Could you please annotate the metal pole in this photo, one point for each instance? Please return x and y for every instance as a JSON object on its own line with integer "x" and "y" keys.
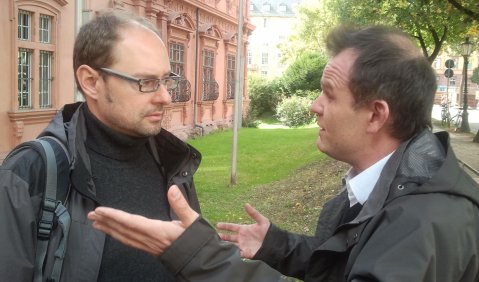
{"x": 448, "y": 116}
{"x": 238, "y": 95}
{"x": 465, "y": 121}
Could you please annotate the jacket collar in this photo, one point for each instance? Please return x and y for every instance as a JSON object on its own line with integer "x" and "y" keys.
{"x": 416, "y": 161}
{"x": 69, "y": 126}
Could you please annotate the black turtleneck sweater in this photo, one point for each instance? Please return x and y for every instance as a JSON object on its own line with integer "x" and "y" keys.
{"x": 126, "y": 177}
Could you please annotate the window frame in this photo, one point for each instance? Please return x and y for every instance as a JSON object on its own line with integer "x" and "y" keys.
{"x": 210, "y": 86}
{"x": 24, "y": 79}
{"x": 177, "y": 54}
{"x": 41, "y": 25}
{"x": 264, "y": 58}
{"x": 230, "y": 76}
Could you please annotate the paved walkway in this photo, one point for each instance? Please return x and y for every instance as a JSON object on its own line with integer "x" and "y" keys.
{"x": 466, "y": 151}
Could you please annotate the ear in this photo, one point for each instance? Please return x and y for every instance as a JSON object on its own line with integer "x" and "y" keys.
{"x": 378, "y": 117}
{"x": 88, "y": 79}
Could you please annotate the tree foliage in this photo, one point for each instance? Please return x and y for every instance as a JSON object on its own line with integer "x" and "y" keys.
{"x": 433, "y": 23}
{"x": 469, "y": 8}
{"x": 475, "y": 75}
{"x": 304, "y": 73}
{"x": 316, "y": 22}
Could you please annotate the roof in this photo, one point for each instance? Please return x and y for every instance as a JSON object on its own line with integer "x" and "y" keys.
{"x": 281, "y": 8}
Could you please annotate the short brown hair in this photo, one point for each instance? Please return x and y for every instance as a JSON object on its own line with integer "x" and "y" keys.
{"x": 389, "y": 66}
{"x": 95, "y": 42}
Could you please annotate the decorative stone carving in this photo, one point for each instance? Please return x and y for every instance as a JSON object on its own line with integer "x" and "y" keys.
{"x": 167, "y": 120}
{"x": 118, "y": 4}
{"x": 184, "y": 114}
{"x": 62, "y": 2}
{"x": 18, "y": 127}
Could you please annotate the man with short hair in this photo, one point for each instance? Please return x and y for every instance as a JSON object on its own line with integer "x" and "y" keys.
{"x": 121, "y": 157}
{"x": 407, "y": 212}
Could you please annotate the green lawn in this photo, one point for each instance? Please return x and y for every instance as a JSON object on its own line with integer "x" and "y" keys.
{"x": 264, "y": 156}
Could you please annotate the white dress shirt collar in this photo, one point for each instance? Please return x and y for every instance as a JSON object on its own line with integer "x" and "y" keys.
{"x": 360, "y": 186}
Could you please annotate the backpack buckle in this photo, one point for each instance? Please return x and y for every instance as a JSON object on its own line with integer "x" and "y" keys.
{"x": 45, "y": 225}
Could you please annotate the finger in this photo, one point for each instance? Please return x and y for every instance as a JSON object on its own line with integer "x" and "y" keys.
{"x": 130, "y": 229}
{"x": 115, "y": 221}
{"x": 232, "y": 227}
{"x": 255, "y": 215}
{"x": 180, "y": 206}
{"x": 229, "y": 237}
{"x": 115, "y": 230}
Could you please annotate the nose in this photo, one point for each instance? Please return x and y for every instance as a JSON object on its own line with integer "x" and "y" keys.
{"x": 316, "y": 106}
{"x": 161, "y": 96}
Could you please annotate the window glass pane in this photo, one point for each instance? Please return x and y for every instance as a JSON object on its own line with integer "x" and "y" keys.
{"x": 209, "y": 83}
{"x": 264, "y": 58}
{"x": 182, "y": 92}
{"x": 24, "y": 78}
{"x": 45, "y": 80}
{"x": 177, "y": 51}
{"x": 24, "y": 25}
{"x": 230, "y": 77}
{"x": 45, "y": 28}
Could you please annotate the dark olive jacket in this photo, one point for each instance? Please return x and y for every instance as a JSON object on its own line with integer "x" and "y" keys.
{"x": 21, "y": 192}
{"x": 420, "y": 223}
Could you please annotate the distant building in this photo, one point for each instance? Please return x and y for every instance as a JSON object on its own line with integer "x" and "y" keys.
{"x": 274, "y": 21}
{"x": 454, "y": 86}
{"x": 37, "y": 78}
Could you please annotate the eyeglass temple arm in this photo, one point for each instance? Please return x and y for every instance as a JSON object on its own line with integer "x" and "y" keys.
{"x": 174, "y": 75}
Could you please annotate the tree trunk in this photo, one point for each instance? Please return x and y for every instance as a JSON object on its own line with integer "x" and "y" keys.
{"x": 476, "y": 138}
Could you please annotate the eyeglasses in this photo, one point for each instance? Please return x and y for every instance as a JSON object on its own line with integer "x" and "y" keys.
{"x": 147, "y": 84}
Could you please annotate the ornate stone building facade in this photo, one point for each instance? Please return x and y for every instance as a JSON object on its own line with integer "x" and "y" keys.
{"x": 37, "y": 74}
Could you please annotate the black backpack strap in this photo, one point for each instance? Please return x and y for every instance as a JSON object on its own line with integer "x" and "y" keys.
{"x": 45, "y": 224}
{"x": 64, "y": 221}
{"x": 51, "y": 207}
{"x": 46, "y": 147}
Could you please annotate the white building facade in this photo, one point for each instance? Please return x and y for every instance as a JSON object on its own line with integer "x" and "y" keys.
{"x": 274, "y": 21}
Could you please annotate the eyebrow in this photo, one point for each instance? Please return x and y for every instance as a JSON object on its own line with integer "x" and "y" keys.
{"x": 326, "y": 84}
{"x": 152, "y": 76}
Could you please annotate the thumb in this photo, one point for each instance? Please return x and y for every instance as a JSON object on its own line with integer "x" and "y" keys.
{"x": 255, "y": 215}
{"x": 180, "y": 206}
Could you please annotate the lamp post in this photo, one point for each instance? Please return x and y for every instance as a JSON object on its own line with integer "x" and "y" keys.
{"x": 466, "y": 51}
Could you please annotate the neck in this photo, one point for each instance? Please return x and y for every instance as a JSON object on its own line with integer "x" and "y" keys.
{"x": 111, "y": 143}
{"x": 374, "y": 153}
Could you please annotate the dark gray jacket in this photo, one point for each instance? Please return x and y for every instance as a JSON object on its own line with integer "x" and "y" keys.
{"x": 420, "y": 223}
{"x": 21, "y": 192}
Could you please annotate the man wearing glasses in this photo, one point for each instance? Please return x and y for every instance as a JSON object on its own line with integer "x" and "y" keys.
{"x": 121, "y": 156}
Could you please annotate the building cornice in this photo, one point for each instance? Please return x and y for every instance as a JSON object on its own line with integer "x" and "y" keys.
{"x": 211, "y": 10}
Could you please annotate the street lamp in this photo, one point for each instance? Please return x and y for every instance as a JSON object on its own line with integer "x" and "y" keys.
{"x": 466, "y": 51}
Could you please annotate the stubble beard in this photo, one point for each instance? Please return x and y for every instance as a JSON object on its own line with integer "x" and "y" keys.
{"x": 136, "y": 128}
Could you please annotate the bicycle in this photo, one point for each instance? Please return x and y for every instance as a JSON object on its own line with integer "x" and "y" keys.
{"x": 457, "y": 119}
{"x": 445, "y": 115}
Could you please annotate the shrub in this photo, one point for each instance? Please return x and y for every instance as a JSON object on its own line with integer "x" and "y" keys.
{"x": 294, "y": 111}
{"x": 310, "y": 94}
{"x": 304, "y": 73}
{"x": 249, "y": 121}
{"x": 264, "y": 95}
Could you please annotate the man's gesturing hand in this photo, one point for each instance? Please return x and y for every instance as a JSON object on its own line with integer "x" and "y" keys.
{"x": 248, "y": 238}
{"x": 152, "y": 236}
